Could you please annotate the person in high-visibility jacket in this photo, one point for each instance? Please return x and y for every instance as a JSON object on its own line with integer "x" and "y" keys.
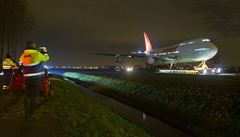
{"x": 8, "y": 66}
{"x": 33, "y": 70}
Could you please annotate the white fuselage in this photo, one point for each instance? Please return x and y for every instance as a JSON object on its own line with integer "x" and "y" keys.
{"x": 189, "y": 51}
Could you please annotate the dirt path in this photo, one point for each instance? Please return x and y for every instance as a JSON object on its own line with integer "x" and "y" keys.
{"x": 12, "y": 123}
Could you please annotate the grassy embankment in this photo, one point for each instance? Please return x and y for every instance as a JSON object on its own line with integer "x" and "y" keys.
{"x": 81, "y": 116}
{"x": 74, "y": 114}
{"x": 205, "y": 104}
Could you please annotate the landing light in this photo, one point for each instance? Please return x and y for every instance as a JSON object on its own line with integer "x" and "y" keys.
{"x": 129, "y": 69}
{"x": 204, "y": 72}
{"x": 213, "y": 70}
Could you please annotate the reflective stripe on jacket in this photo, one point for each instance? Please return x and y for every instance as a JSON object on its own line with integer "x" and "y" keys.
{"x": 8, "y": 64}
{"x": 32, "y": 61}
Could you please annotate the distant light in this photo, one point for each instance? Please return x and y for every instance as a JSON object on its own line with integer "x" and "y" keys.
{"x": 204, "y": 40}
{"x": 213, "y": 70}
{"x": 219, "y": 70}
{"x": 204, "y": 71}
{"x": 129, "y": 69}
{"x": 118, "y": 68}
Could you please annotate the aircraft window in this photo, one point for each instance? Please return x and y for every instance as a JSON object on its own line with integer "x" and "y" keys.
{"x": 182, "y": 44}
{"x": 191, "y": 42}
{"x": 162, "y": 53}
{"x": 201, "y": 49}
{"x": 173, "y": 52}
{"x": 205, "y": 40}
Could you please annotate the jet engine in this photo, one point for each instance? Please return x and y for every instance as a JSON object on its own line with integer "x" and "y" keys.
{"x": 150, "y": 60}
{"x": 119, "y": 58}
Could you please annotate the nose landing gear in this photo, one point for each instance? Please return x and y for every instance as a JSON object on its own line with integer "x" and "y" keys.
{"x": 202, "y": 66}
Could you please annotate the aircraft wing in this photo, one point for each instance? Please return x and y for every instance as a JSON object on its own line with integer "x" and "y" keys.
{"x": 118, "y": 57}
{"x": 137, "y": 55}
{"x": 169, "y": 58}
{"x": 110, "y": 54}
{"x": 156, "y": 58}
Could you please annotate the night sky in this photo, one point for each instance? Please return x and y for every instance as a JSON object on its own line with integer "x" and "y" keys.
{"x": 69, "y": 28}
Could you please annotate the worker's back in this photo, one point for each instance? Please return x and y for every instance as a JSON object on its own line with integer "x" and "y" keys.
{"x": 32, "y": 61}
{"x": 8, "y": 63}
{"x": 7, "y": 67}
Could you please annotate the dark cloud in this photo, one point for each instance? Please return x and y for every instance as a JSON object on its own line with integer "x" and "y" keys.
{"x": 71, "y": 27}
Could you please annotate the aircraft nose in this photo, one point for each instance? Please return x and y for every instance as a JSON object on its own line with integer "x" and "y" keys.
{"x": 213, "y": 49}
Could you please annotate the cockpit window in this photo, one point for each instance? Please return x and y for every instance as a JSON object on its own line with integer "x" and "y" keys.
{"x": 181, "y": 44}
{"x": 204, "y": 40}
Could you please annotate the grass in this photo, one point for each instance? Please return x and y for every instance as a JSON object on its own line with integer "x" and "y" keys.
{"x": 81, "y": 116}
{"x": 207, "y": 102}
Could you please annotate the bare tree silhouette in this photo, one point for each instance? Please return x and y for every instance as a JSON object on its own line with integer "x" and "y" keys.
{"x": 15, "y": 20}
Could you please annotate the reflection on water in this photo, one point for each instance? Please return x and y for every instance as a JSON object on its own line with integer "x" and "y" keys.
{"x": 144, "y": 117}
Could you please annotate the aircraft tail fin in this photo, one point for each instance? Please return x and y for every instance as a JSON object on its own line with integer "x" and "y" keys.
{"x": 148, "y": 44}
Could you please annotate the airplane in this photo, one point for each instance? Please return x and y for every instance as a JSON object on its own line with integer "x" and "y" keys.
{"x": 196, "y": 50}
